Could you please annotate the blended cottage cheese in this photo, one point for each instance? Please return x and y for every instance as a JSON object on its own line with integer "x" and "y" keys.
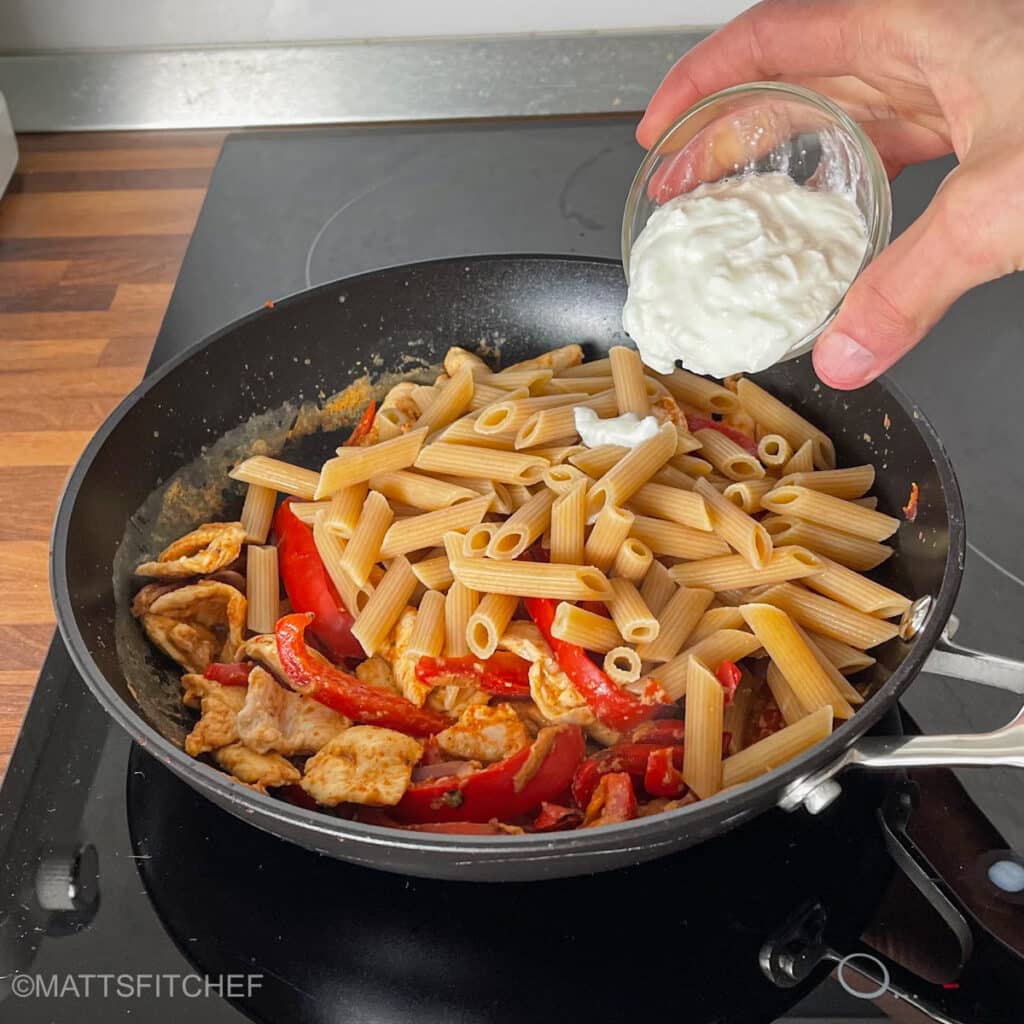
{"x": 627, "y": 430}
{"x": 731, "y": 276}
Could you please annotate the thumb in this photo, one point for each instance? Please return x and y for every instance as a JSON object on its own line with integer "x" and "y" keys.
{"x": 907, "y": 289}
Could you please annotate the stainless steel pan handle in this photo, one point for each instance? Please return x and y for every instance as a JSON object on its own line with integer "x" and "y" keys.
{"x": 1003, "y": 747}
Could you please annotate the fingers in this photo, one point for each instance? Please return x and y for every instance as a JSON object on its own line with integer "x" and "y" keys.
{"x": 905, "y": 291}
{"x": 778, "y": 37}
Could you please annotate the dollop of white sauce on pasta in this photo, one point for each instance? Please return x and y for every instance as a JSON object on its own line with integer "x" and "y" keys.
{"x": 627, "y": 430}
{"x": 730, "y": 277}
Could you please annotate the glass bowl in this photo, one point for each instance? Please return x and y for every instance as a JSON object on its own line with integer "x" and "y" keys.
{"x": 765, "y": 128}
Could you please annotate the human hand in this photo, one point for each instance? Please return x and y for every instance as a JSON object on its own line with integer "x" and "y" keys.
{"x": 924, "y": 78}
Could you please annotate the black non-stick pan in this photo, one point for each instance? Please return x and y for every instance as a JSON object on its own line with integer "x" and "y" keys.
{"x": 158, "y": 467}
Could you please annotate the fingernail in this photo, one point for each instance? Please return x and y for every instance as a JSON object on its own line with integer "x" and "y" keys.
{"x": 842, "y": 362}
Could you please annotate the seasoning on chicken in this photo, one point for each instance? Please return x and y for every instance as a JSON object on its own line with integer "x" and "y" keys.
{"x": 197, "y": 624}
{"x": 552, "y": 691}
{"x": 210, "y": 547}
{"x": 264, "y": 771}
{"x": 485, "y": 733}
{"x": 275, "y": 719}
{"x": 362, "y": 765}
{"x": 219, "y": 706}
{"x": 395, "y": 653}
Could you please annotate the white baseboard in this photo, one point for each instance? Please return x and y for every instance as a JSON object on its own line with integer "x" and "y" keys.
{"x": 8, "y": 147}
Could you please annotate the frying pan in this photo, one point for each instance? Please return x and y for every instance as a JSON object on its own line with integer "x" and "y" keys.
{"x": 158, "y": 467}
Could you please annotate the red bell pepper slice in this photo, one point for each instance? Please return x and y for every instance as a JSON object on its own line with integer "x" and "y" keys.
{"x": 628, "y": 758}
{"x": 295, "y": 794}
{"x": 614, "y": 706}
{"x": 663, "y": 777}
{"x": 345, "y": 693}
{"x": 729, "y": 675}
{"x": 613, "y": 800}
{"x": 235, "y": 673}
{"x": 662, "y": 732}
{"x": 502, "y": 791}
{"x": 310, "y": 589}
{"x": 382, "y": 816}
{"x": 556, "y": 818}
{"x": 362, "y": 429}
{"x": 502, "y": 673}
{"x": 695, "y": 422}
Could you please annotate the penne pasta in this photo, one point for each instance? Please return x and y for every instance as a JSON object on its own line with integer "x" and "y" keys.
{"x": 634, "y": 620}
{"x": 434, "y": 573}
{"x": 568, "y": 524}
{"x": 459, "y": 604}
{"x": 422, "y": 396}
{"x": 742, "y": 533}
{"x": 809, "y": 682}
{"x": 258, "y": 513}
{"x": 421, "y": 492}
{"x": 802, "y": 460}
{"x": 774, "y": 450}
{"x": 853, "y": 552}
{"x": 262, "y": 589}
{"x": 692, "y": 465}
{"x": 364, "y": 547}
{"x": 427, "y": 637}
{"x": 463, "y": 460}
{"x": 676, "y": 622}
{"x": 428, "y": 530}
{"x": 823, "y": 615}
{"x": 685, "y": 442}
{"x": 628, "y": 377}
{"x": 557, "y": 360}
{"x": 747, "y": 495}
{"x": 657, "y": 587}
{"x": 345, "y": 508}
{"x": 516, "y": 377}
{"x": 501, "y": 503}
{"x": 847, "y": 659}
{"x": 669, "y": 476}
{"x": 610, "y": 530}
{"x": 385, "y": 605}
{"x": 450, "y": 401}
{"x": 533, "y": 579}
{"x": 776, "y": 417}
{"x": 331, "y": 551}
{"x": 856, "y": 591}
{"x": 622, "y": 664}
{"x": 839, "y": 681}
{"x": 705, "y": 710}
{"x": 478, "y": 539}
{"x": 504, "y": 418}
{"x": 715, "y": 619}
{"x": 457, "y": 358}
{"x": 632, "y": 471}
{"x": 664, "y": 538}
{"x": 823, "y": 509}
{"x": 853, "y": 482}
{"x": 698, "y": 392}
{"x": 585, "y": 629}
{"x": 277, "y": 476}
{"x": 727, "y": 456}
{"x": 734, "y": 572}
{"x": 485, "y": 395}
{"x": 307, "y": 511}
{"x": 556, "y": 456}
{"x": 519, "y": 495}
{"x": 595, "y": 462}
{"x": 488, "y": 623}
{"x": 562, "y": 477}
{"x": 548, "y": 426}
{"x": 592, "y": 368}
{"x": 356, "y": 465}
{"x": 633, "y": 560}
{"x": 664, "y": 502}
{"x": 587, "y": 385}
{"x": 869, "y": 502}
{"x": 784, "y": 696}
{"x": 776, "y": 749}
{"x": 523, "y": 527}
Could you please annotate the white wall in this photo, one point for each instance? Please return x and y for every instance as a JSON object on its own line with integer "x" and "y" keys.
{"x": 102, "y": 24}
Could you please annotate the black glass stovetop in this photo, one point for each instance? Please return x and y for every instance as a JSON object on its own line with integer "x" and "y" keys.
{"x": 168, "y": 891}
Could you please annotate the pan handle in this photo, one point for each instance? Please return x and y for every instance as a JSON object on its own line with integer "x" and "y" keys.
{"x": 1003, "y": 747}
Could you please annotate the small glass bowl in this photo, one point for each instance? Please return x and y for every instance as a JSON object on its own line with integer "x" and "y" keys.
{"x": 765, "y": 128}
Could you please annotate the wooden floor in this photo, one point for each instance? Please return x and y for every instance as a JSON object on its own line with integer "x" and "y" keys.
{"x": 92, "y": 232}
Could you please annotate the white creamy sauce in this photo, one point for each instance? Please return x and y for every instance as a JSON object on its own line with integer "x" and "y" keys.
{"x": 627, "y": 430}
{"x": 731, "y": 276}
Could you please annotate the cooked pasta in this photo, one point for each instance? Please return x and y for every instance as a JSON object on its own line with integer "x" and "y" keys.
{"x": 823, "y": 509}
{"x": 584, "y": 628}
{"x": 702, "y": 752}
{"x": 676, "y": 622}
{"x": 608, "y": 534}
{"x": 727, "y": 456}
{"x": 630, "y": 386}
{"x": 632, "y": 560}
{"x": 492, "y": 582}
{"x": 262, "y": 589}
{"x": 258, "y": 513}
